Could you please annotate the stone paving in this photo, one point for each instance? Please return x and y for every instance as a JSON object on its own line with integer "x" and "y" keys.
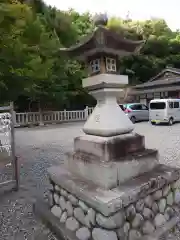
{"x": 39, "y": 148}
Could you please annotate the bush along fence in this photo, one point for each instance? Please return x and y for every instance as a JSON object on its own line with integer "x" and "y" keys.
{"x": 50, "y": 117}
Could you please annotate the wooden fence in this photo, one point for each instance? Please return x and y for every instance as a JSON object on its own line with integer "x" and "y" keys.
{"x": 50, "y": 117}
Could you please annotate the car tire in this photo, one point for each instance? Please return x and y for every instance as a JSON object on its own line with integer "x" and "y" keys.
{"x": 153, "y": 123}
{"x": 171, "y": 121}
{"x": 133, "y": 119}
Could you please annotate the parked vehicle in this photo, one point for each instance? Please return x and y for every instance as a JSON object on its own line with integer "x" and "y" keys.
{"x": 122, "y": 107}
{"x": 164, "y": 111}
{"x": 136, "y": 112}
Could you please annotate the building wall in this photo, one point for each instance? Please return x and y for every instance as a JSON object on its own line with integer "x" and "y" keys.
{"x": 126, "y": 97}
{"x": 146, "y": 98}
{"x": 143, "y": 101}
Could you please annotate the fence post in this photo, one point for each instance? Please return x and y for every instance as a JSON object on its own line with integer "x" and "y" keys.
{"x": 65, "y": 115}
{"x": 14, "y": 118}
{"x": 86, "y": 110}
{"x": 41, "y": 123}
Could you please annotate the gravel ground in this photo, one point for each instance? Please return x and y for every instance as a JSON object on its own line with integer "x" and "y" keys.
{"x": 38, "y": 148}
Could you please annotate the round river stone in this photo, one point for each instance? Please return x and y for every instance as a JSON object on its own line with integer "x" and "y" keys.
{"x": 56, "y": 211}
{"x": 159, "y": 220}
{"x": 101, "y": 234}
{"x": 83, "y": 233}
{"x": 72, "y": 224}
{"x": 115, "y": 221}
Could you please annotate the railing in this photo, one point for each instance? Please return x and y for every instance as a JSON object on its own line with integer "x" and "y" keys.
{"x": 50, "y": 117}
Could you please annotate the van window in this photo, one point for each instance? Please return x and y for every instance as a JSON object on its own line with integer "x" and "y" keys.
{"x": 176, "y": 104}
{"x": 170, "y": 104}
{"x": 157, "y": 105}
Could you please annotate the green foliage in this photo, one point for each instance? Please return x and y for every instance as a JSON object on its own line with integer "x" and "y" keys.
{"x": 32, "y": 71}
{"x": 161, "y": 49}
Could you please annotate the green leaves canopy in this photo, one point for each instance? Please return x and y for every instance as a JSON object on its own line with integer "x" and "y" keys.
{"x": 30, "y": 68}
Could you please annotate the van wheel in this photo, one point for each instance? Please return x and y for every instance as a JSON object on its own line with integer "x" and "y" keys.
{"x": 170, "y": 122}
{"x": 133, "y": 119}
{"x": 153, "y": 123}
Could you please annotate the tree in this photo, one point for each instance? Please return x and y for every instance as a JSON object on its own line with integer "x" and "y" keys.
{"x": 31, "y": 69}
{"x": 13, "y": 21}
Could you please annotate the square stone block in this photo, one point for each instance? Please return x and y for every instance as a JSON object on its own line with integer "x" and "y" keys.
{"x": 104, "y": 174}
{"x": 110, "y": 174}
{"x": 107, "y": 149}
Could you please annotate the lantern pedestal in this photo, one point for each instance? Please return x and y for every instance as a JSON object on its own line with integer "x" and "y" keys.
{"x": 110, "y": 161}
{"x": 136, "y": 209}
{"x": 107, "y": 119}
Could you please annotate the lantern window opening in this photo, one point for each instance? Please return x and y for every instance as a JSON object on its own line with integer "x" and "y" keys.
{"x": 111, "y": 64}
{"x": 95, "y": 65}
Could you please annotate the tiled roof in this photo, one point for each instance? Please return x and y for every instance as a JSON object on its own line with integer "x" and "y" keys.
{"x": 158, "y": 82}
{"x": 111, "y": 38}
{"x": 167, "y": 69}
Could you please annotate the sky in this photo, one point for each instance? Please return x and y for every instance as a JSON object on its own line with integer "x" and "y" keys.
{"x": 138, "y": 9}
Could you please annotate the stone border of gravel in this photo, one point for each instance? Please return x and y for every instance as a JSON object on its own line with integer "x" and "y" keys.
{"x": 164, "y": 229}
{"x": 42, "y": 211}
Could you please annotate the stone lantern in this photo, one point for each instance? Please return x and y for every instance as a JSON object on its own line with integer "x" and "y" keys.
{"x": 111, "y": 186}
{"x": 102, "y": 51}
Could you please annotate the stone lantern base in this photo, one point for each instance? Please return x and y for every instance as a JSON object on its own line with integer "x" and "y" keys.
{"x": 138, "y": 208}
{"x": 111, "y": 188}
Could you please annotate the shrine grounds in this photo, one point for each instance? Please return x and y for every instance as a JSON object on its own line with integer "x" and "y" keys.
{"x": 40, "y": 147}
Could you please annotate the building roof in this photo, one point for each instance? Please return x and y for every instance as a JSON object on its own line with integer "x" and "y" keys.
{"x": 157, "y": 81}
{"x": 166, "y": 70}
{"x": 103, "y": 40}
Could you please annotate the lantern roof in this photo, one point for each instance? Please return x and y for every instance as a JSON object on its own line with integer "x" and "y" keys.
{"x": 103, "y": 41}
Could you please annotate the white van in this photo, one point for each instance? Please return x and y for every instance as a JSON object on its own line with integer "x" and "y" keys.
{"x": 164, "y": 111}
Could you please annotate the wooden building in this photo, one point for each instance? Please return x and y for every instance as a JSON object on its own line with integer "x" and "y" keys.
{"x": 166, "y": 84}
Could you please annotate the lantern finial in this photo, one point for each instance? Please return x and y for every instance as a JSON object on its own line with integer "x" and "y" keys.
{"x": 100, "y": 20}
